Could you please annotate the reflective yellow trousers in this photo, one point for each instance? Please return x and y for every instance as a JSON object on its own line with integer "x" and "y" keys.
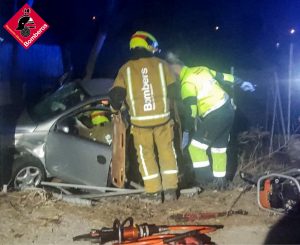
{"x": 161, "y": 175}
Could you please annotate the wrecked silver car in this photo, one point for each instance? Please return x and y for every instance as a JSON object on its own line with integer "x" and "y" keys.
{"x": 59, "y": 137}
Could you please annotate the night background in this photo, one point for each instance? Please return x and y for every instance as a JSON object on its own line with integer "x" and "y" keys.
{"x": 244, "y": 34}
{"x": 258, "y": 40}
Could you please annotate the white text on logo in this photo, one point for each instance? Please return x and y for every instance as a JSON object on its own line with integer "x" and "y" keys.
{"x": 149, "y": 103}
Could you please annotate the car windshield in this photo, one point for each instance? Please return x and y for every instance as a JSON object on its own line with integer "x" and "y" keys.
{"x": 61, "y": 100}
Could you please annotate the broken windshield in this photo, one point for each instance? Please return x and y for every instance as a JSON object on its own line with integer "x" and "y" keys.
{"x": 61, "y": 100}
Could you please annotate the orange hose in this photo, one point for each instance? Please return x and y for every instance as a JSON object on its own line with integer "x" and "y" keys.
{"x": 202, "y": 228}
{"x": 158, "y": 239}
{"x": 147, "y": 242}
{"x": 151, "y": 240}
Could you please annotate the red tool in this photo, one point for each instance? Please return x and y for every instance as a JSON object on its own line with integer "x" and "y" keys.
{"x": 149, "y": 234}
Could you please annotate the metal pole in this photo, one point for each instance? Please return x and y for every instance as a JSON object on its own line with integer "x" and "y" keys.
{"x": 267, "y": 110}
{"x": 273, "y": 121}
{"x": 87, "y": 187}
{"x": 280, "y": 107}
{"x": 290, "y": 90}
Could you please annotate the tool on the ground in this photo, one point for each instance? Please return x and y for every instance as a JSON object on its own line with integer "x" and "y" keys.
{"x": 193, "y": 216}
{"x": 192, "y": 237}
{"x": 244, "y": 190}
{"x": 146, "y": 234}
{"x": 277, "y": 192}
{"x": 196, "y": 190}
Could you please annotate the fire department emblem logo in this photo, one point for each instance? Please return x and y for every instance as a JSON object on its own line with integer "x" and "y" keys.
{"x": 25, "y": 23}
{"x": 26, "y": 26}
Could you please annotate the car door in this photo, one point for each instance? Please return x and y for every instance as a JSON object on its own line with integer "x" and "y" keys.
{"x": 79, "y": 153}
{"x": 118, "y": 171}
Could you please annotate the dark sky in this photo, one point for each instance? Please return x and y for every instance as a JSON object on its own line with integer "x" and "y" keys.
{"x": 246, "y": 38}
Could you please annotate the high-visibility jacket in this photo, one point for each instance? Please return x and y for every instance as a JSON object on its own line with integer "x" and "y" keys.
{"x": 145, "y": 81}
{"x": 201, "y": 89}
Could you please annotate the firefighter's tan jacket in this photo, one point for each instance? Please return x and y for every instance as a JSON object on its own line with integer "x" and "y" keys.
{"x": 145, "y": 81}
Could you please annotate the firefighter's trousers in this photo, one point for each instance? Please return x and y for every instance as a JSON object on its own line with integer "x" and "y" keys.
{"x": 156, "y": 176}
{"x": 209, "y": 143}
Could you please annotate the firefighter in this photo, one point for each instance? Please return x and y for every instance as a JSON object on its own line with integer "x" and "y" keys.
{"x": 98, "y": 117}
{"x": 146, "y": 84}
{"x": 102, "y": 128}
{"x": 207, "y": 118}
{"x": 95, "y": 125}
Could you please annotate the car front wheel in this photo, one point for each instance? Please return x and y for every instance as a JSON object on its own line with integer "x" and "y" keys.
{"x": 28, "y": 173}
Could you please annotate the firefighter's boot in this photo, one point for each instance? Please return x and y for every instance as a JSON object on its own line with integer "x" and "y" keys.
{"x": 152, "y": 198}
{"x": 170, "y": 195}
{"x": 220, "y": 183}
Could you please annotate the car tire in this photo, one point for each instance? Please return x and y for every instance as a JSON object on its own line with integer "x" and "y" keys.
{"x": 27, "y": 172}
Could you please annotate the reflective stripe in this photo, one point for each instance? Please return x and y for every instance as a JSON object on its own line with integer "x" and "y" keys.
{"x": 194, "y": 110}
{"x": 163, "y": 85}
{"x": 218, "y": 150}
{"x": 152, "y": 96}
{"x": 143, "y": 161}
{"x": 174, "y": 171}
{"x": 174, "y": 151}
{"x": 130, "y": 91}
{"x": 219, "y": 174}
{"x": 217, "y": 106}
{"x": 149, "y": 177}
{"x": 200, "y": 164}
{"x": 199, "y": 145}
{"x": 142, "y": 118}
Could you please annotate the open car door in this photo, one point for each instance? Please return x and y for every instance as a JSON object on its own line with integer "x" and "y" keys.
{"x": 118, "y": 152}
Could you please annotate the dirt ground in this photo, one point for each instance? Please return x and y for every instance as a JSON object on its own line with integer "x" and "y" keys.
{"x": 35, "y": 218}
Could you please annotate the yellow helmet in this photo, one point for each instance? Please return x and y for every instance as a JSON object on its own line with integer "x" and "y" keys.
{"x": 98, "y": 117}
{"x": 145, "y": 40}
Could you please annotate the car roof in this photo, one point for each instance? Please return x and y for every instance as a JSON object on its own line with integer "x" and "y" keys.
{"x": 97, "y": 86}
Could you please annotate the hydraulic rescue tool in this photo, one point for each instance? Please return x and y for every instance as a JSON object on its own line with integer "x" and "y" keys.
{"x": 146, "y": 234}
{"x": 277, "y": 192}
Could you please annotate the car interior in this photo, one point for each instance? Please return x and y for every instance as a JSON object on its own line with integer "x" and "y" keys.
{"x": 80, "y": 124}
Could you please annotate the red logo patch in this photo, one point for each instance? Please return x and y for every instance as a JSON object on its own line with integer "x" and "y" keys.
{"x": 26, "y": 26}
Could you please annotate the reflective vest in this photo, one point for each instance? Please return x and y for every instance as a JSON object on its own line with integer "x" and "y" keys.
{"x": 201, "y": 82}
{"x": 146, "y": 81}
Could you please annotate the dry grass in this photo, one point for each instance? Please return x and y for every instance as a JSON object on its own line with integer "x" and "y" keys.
{"x": 256, "y": 156}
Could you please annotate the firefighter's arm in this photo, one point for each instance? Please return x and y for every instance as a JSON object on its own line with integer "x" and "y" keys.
{"x": 171, "y": 97}
{"x": 173, "y": 90}
{"x": 189, "y": 99}
{"x": 230, "y": 81}
{"x": 172, "y": 84}
{"x": 227, "y": 81}
{"x": 117, "y": 94}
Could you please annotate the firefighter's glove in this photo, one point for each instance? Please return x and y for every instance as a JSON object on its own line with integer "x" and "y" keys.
{"x": 247, "y": 86}
{"x": 185, "y": 139}
{"x": 114, "y": 111}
